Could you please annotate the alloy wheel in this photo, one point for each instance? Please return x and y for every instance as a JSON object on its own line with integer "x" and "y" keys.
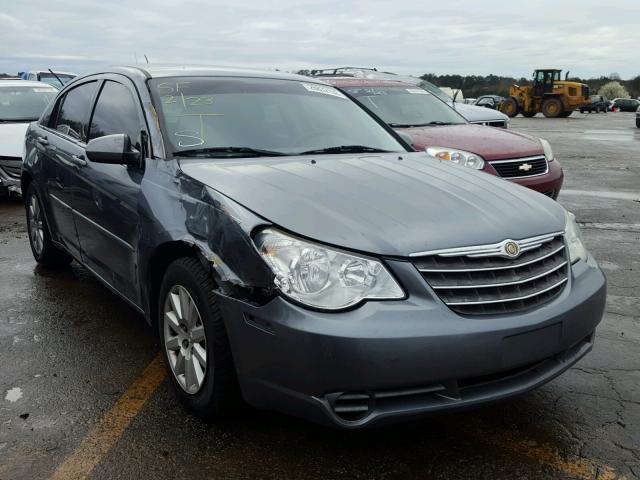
{"x": 36, "y": 225}
{"x": 185, "y": 339}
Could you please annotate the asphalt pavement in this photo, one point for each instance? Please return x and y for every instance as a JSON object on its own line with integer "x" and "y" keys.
{"x": 83, "y": 393}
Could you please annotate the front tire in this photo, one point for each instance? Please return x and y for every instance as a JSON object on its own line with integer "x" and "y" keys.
{"x": 509, "y": 107}
{"x": 43, "y": 249}
{"x": 194, "y": 341}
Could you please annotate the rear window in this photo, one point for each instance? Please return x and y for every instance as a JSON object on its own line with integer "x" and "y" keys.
{"x": 24, "y": 103}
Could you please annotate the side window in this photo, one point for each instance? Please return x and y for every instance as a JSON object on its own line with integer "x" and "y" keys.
{"x": 73, "y": 113}
{"x": 116, "y": 112}
{"x": 32, "y": 76}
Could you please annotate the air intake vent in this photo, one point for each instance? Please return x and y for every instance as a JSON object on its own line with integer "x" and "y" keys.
{"x": 352, "y": 406}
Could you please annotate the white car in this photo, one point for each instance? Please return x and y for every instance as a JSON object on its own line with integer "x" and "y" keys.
{"x": 21, "y": 102}
{"x": 55, "y": 79}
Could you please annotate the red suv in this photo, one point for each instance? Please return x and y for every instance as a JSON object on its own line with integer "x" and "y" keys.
{"x": 437, "y": 128}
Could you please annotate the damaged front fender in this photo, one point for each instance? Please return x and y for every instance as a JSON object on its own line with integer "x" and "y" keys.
{"x": 217, "y": 228}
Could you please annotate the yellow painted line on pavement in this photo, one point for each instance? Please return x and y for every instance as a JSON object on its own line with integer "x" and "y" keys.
{"x": 112, "y": 425}
{"x": 578, "y": 468}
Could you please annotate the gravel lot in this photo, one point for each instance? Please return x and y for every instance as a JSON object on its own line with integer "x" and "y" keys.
{"x": 70, "y": 351}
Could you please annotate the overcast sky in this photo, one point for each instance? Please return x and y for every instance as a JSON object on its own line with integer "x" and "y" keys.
{"x": 590, "y": 38}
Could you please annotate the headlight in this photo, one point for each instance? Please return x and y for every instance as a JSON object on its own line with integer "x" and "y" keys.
{"x": 574, "y": 239}
{"x": 322, "y": 277}
{"x": 460, "y": 157}
{"x": 548, "y": 153}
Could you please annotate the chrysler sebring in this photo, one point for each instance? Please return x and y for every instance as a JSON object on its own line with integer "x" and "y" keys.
{"x": 294, "y": 254}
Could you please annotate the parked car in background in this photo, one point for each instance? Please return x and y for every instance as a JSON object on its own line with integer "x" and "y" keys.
{"x": 599, "y": 103}
{"x": 625, "y": 104}
{"x": 291, "y": 251}
{"x": 489, "y": 101}
{"x": 473, "y": 113}
{"x": 436, "y": 127}
{"x": 21, "y": 102}
{"x": 55, "y": 79}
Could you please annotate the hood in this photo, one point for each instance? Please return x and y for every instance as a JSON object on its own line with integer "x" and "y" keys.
{"x": 473, "y": 113}
{"x": 489, "y": 143}
{"x": 12, "y": 139}
{"x": 387, "y": 204}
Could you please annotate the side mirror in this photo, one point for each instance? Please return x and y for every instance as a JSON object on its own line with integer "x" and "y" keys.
{"x": 115, "y": 149}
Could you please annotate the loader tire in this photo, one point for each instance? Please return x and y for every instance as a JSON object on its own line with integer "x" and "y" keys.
{"x": 510, "y": 107}
{"x": 552, "y": 108}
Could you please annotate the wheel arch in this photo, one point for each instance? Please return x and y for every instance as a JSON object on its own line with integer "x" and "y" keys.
{"x": 155, "y": 267}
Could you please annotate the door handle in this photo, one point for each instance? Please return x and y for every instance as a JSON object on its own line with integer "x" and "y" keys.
{"x": 79, "y": 160}
{"x": 43, "y": 141}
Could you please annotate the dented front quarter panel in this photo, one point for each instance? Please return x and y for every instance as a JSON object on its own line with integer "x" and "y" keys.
{"x": 176, "y": 209}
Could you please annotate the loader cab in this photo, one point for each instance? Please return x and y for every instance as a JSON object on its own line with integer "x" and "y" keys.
{"x": 543, "y": 81}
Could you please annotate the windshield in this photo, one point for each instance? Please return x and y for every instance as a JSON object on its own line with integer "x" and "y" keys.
{"x": 24, "y": 103}
{"x": 52, "y": 80}
{"x": 431, "y": 88}
{"x": 226, "y": 116}
{"x": 406, "y": 106}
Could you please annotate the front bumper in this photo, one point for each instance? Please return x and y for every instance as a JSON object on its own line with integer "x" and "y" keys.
{"x": 9, "y": 183}
{"x": 549, "y": 183}
{"x": 389, "y": 360}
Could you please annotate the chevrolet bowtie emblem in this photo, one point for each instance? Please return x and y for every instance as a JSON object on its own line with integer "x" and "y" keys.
{"x": 525, "y": 167}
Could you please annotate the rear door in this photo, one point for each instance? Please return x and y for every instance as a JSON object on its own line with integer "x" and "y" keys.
{"x": 106, "y": 197}
{"x": 63, "y": 146}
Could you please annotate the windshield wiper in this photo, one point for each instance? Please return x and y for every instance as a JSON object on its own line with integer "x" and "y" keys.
{"x": 412, "y": 125}
{"x": 17, "y": 120}
{"x": 253, "y": 152}
{"x": 344, "y": 149}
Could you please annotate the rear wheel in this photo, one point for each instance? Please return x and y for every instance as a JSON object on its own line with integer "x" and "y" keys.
{"x": 529, "y": 114}
{"x": 566, "y": 113}
{"x": 509, "y": 107}
{"x": 552, "y": 108}
{"x": 43, "y": 249}
{"x": 638, "y": 122}
{"x": 194, "y": 341}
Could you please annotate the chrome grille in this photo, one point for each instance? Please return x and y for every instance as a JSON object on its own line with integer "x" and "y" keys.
{"x": 12, "y": 166}
{"x": 521, "y": 167}
{"x": 483, "y": 280}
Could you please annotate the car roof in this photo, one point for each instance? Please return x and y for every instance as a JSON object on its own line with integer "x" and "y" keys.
{"x": 163, "y": 71}
{"x": 345, "y": 82}
{"x": 24, "y": 83}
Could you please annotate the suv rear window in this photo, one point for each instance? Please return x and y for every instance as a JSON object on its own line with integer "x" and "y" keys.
{"x": 73, "y": 113}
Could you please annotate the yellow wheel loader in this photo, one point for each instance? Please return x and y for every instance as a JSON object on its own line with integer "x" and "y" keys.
{"x": 549, "y": 94}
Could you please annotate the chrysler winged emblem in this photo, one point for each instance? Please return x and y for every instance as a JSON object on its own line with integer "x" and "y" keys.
{"x": 511, "y": 248}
